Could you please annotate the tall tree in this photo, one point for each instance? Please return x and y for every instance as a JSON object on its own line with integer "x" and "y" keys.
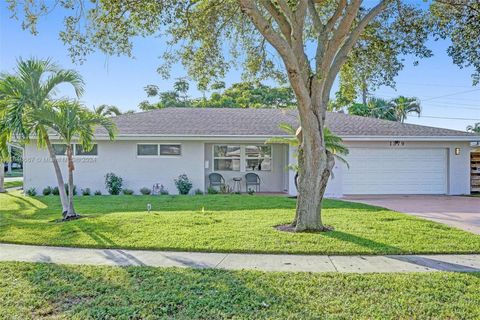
{"x": 312, "y": 38}
{"x": 396, "y": 109}
{"x": 73, "y": 123}
{"x": 403, "y": 106}
{"x": 32, "y": 87}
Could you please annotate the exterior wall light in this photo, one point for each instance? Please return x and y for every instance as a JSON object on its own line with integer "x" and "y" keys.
{"x": 457, "y": 151}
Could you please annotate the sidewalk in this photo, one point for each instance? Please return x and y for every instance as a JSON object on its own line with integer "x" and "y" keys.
{"x": 263, "y": 262}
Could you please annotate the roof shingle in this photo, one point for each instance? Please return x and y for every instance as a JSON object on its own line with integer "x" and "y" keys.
{"x": 260, "y": 122}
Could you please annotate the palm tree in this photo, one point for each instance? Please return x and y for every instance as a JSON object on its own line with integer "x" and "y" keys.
{"x": 73, "y": 122}
{"x": 107, "y": 111}
{"x": 402, "y": 106}
{"x": 30, "y": 88}
{"x": 333, "y": 144}
{"x": 474, "y": 128}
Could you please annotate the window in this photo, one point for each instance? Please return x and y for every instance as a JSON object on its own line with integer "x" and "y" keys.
{"x": 147, "y": 149}
{"x": 170, "y": 149}
{"x": 80, "y": 152}
{"x": 226, "y": 158}
{"x": 60, "y": 149}
{"x": 258, "y": 158}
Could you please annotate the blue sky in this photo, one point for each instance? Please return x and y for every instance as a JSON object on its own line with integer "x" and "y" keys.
{"x": 444, "y": 89}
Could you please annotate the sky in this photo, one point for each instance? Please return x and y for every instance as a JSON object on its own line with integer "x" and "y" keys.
{"x": 445, "y": 90}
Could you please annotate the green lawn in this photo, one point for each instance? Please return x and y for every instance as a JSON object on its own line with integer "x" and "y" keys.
{"x": 222, "y": 223}
{"x": 36, "y": 291}
{"x": 15, "y": 173}
{"x": 13, "y": 184}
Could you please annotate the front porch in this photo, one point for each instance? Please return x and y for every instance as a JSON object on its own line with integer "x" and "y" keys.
{"x": 233, "y": 161}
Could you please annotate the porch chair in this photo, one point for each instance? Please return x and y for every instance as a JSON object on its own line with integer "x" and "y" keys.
{"x": 252, "y": 179}
{"x": 216, "y": 180}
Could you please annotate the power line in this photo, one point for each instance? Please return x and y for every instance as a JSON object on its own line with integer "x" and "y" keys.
{"x": 448, "y": 118}
{"x": 432, "y": 85}
{"x": 451, "y": 94}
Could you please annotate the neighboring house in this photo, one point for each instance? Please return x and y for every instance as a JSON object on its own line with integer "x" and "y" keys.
{"x": 157, "y": 146}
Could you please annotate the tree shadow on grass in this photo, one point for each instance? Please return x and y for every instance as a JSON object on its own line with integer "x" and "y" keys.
{"x": 372, "y": 245}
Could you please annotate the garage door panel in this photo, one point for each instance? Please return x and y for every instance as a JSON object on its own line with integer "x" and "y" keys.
{"x": 396, "y": 171}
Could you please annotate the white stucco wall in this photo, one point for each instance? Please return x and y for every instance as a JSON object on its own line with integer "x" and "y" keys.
{"x": 458, "y": 166}
{"x": 119, "y": 157}
{"x": 275, "y": 180}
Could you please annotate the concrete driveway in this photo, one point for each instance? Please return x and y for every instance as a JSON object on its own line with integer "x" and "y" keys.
{"x": 456, "y": 211}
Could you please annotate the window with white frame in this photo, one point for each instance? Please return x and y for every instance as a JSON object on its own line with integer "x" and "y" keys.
{"x": 61, "y": 150}
{"x": 170, "y": 150}
{"x": 226, "y": 157}
{"x": 258, "y": 158}
{"x": 147, "y": 150}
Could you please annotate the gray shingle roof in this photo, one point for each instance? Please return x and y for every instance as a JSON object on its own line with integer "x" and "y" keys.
{"x": 259, "y": 122}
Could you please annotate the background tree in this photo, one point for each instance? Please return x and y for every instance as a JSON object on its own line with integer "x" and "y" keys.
{"x": 73, "y": 122}
{"x": 107, "y": 110}
{"x": 30, "y": 88}
{"x": 314, "y": 39}
{"x": 474, "y": 128}
{"x": 402, "y": 106}
{"x": 395, "y": 109}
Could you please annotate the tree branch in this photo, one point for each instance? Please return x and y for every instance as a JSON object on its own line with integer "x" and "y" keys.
{"x": 280, "y": 19}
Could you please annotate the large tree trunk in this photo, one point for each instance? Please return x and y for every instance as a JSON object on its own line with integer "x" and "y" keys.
{"x": 315, "y": 167}
{"x": 2, "y": 178}
{"x": 58, "y": 174}
{"x": 71, "y": 210}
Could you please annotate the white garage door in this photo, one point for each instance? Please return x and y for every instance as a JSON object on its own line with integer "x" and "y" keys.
{"x": 396, "y": 171}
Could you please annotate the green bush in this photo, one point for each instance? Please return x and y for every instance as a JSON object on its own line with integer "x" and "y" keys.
{"x": 164, "y": 191}
{"x": 127, "y": 192}
{"x": 32, "y": 192}
{"x": 47, "y": 191}
{"x": 198, "y": 192}
{"x": 86, "y": 192}
{"x": 146, "y": 191}
{"x": 251, "y": 192}
{"x": 183, "y": 183}
{"x": 55, "y": 191}
{"x": 212, "y": 190}
{"x": 74, "y": 189}
{"x": 98, "y": 193}
{"x": 113, "y": 183}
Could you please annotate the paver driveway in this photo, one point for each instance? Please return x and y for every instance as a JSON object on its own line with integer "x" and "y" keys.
{"x": 460, "y": 212}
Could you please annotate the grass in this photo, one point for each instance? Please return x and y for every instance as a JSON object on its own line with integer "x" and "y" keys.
{"x": 13, "y": 184}
{"x": 15, "y": 173}
{"x": 37, "y": 291}
{"x": 222, "y": 223}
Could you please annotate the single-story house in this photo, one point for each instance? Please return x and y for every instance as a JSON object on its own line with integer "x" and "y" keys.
{"x": 155, "y": 147}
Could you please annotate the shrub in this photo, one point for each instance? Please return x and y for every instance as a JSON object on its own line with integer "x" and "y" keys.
{"x": 183, "y": 183}
{"x": 86, "y": 192}
{"x": 198, "y": 192}
{"x": 32, "y": 192}
{"x": 47, "y": 191}
{"x": 212, "y": 190}
{"x": 251, "y": 192}
{"x": 127, "y": 192}
{"x": 225, "y": 189}
{"x": 55, "y": 191}
{"x": 164, "y": 191}
{"x": 146, "y": 191}
{"x": 74, "y": 189}
{"x": 113, "y": 183}
{"x": 98, "y": 193}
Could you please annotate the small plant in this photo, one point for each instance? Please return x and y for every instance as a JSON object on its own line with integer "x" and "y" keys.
{"x": 98, "y": 193}
{"x": 163, "y": 191}
{"x": 127, "y": 192}
{"x": 86, "y": 192}
{"x": 32, "y": 192}
{"x": 183, "y": 183}
{"x": 146, "y": 191}
{"x": 113, "y": 183}
{"x": 74, "y": 189}
{"x": 251, "y": 191}
{"x": 198, "y": 192}
{"x": 47, "y": 191}
{"x": 212, "y": 190}
{"x": 55, "y": 191}
{"x": 225, "y": 189}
